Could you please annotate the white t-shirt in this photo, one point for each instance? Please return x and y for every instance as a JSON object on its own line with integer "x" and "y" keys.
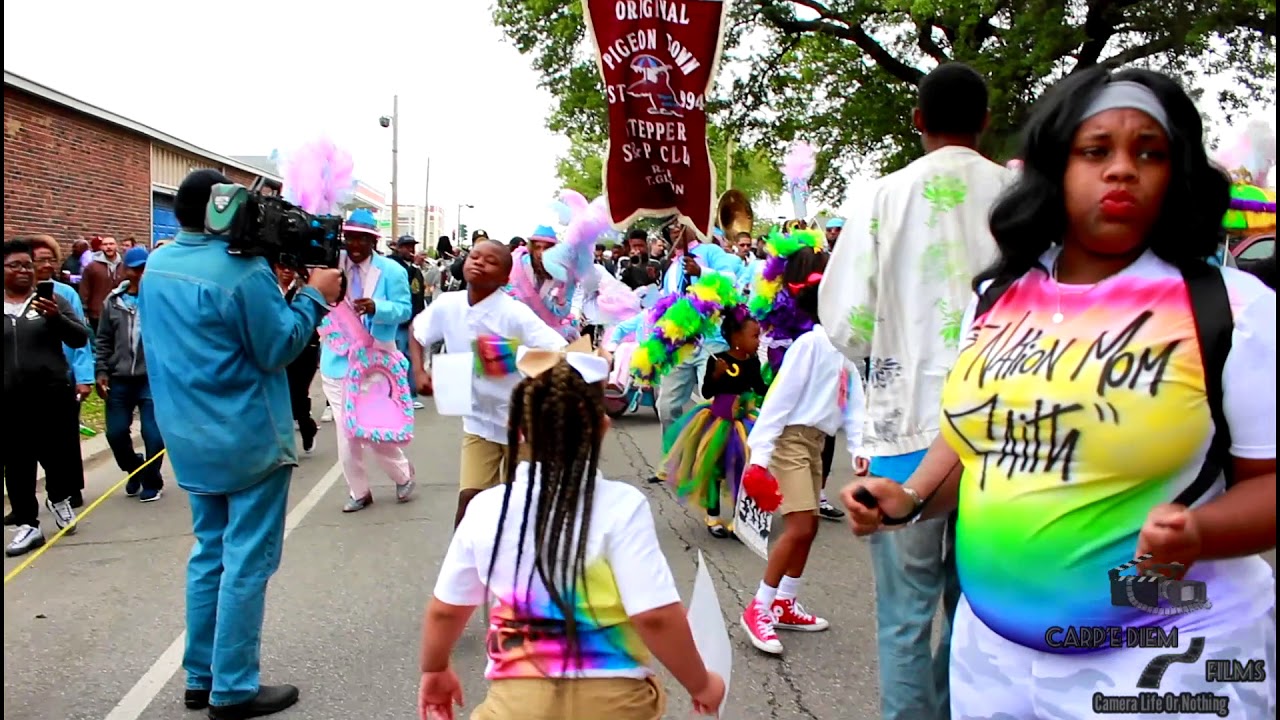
{"x": 453, "y": 319}
{"x": 1072, "y": 431}
{"x": 626, "y": 574}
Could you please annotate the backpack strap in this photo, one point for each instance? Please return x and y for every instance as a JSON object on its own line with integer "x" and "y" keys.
{"x": 1211, "y": 311}
{"x": 991, "y": 295}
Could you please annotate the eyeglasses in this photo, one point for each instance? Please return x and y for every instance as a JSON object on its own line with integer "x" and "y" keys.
{"x": 46, "y": 261}
{"x": 19, "y": 266}
{"x": 813, "y": 279}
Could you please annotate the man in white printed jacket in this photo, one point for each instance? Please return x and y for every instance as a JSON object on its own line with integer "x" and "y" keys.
{"x": 895, "y": 292}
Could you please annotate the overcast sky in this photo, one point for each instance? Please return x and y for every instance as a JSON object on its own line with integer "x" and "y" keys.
{"x": 246, "y": 78}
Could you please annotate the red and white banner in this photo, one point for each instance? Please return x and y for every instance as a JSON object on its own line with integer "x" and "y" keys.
{"x": 658, "y": 59}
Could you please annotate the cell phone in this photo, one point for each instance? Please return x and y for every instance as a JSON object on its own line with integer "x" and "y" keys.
{"x": 44, "y": 289}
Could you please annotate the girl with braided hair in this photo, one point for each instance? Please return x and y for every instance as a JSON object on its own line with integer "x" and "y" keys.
{"x": 578, "y": 593}
{"x": 706, "y": 450}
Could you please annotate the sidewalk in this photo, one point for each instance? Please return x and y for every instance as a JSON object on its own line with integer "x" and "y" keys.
{"x": 93, "y": 450}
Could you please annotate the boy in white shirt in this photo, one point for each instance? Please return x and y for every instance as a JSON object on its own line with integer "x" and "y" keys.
{"x": 816, "y": 392}
{"x": 459, "y": 318}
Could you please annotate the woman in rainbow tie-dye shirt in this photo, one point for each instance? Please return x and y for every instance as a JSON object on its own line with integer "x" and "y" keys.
{"x": 1079, "y": 432}
{"x": 578, "y": 593}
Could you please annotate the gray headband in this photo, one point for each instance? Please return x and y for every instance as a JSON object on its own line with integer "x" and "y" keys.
{"x": 1128, "y": 95}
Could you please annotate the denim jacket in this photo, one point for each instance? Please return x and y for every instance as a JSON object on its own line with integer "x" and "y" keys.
{"x": 218, "y": 335}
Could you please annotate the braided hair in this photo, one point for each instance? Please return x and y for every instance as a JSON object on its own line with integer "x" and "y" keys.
{"x": 559, "y": 418}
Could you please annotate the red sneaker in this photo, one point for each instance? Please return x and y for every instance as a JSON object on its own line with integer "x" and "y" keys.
{"x": 791, "y": 615}
{"x": 758, "y": 623}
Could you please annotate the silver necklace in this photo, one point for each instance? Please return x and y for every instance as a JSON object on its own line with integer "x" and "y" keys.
{"x": 1058, "y": 317}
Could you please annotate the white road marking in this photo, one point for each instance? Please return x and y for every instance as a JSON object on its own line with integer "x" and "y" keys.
{"x": 140, "y": 697}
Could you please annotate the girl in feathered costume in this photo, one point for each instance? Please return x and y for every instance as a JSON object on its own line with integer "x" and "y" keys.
{"x": 548, "y": 273}
{"x": 706, "y": 449}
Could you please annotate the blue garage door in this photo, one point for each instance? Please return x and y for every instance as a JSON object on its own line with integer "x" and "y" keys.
{"x": 163, "y": 223}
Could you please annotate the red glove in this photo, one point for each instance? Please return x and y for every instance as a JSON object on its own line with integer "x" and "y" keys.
{"x": 761, "y": 486}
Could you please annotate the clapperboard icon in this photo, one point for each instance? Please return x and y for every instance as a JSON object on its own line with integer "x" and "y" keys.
{"x": 1143, "y": 590}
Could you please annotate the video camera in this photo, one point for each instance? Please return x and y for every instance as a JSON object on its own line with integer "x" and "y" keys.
{"x": 257, "y": 222}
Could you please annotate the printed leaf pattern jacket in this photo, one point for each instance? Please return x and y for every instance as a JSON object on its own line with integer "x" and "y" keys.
{"x": 899, "y": 282}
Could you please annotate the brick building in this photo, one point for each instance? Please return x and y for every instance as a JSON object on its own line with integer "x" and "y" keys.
{"x": 73, "y": 170}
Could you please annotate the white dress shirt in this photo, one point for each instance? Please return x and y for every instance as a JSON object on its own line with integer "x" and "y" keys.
{"x": 807, "y": 392}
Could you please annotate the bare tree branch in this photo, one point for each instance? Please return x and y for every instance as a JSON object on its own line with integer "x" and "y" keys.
{"x": 924, "y": 38}
{"x": 846, "y": 29}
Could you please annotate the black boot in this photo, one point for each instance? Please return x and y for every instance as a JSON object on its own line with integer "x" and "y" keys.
{"x": 271, "y": 699}
{"x": 195, "y": 699}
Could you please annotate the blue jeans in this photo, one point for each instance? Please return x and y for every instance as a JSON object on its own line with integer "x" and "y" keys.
{"x": 402, "y": 344}
{"x": 676, "y": 389}
{"x": 125, "y": 396}
{"x": 914, "y": 569}
{"x": 239, "y": 539}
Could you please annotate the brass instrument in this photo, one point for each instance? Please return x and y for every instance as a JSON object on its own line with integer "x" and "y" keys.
{"x": 734, "y": 215}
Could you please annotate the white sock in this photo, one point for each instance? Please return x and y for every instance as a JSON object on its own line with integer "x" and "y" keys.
{"x": 789, "y": 588}
{"x": 766, "y": 594}
{"x": 822, "y": 496}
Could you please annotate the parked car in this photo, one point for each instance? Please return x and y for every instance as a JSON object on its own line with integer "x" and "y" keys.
{"x": 1254, "y": 247}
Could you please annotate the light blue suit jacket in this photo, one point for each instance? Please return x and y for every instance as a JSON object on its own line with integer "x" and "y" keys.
{"x": 387, "y": 284}
{"x": 80, "y": 360}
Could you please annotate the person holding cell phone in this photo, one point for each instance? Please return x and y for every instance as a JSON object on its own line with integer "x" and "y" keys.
{"x": 37, "y": 380}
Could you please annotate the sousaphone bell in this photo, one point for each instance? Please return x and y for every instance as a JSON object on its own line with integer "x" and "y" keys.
{"x": 734, "y": 215}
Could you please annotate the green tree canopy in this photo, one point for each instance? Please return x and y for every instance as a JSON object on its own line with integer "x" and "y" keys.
{"x": 842, "y": 73}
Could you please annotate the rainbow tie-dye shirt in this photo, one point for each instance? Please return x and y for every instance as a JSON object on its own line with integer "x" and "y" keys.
{"x": 626, "y": 574}
{"x": 1070, "y": 432}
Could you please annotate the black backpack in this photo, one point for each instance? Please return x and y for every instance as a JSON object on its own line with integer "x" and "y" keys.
{"x": 1211, "y": 312}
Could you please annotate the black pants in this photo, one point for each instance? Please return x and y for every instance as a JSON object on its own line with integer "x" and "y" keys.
{"x": 828, "y": 457}
{"x": 46, "y": 432}
{"x": 301, "y": 372}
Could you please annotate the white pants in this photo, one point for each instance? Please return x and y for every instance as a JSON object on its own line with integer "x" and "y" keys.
{"x": 992, "y": 677}
{"x": 351, "y": 451}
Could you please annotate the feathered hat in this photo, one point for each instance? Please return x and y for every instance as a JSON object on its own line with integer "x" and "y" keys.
{"x": 771, "y": 304}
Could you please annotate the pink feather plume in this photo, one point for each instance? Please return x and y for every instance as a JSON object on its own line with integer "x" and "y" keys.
{"x": 319, "y": 177}
{"x": 1254, "y": 150}
{"x": 575, "y": 201}
{"x": 800, "y": 161}
{"x": 589, "y": 224}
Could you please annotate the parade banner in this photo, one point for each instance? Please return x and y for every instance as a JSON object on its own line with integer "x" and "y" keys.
{"x": 752, "y": 525}
{"x": 658, "y": 59}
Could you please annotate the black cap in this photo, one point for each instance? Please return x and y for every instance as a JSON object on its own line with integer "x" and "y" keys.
{"x": 193, "y": 196}
{"x": 406, "y": 240}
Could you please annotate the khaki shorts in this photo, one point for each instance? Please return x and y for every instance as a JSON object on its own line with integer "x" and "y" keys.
{"x": 586, "y": 699}
{"x": 483, "y": 463}
{"x": 797, "y": 464}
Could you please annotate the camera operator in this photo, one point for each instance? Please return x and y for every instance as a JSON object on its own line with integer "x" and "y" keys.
{"x": 219, "y": 335}
{"x": 640, "y": 270}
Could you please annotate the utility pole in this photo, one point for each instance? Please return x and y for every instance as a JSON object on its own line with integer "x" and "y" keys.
{"x": 395, "y": 169}
{"x": 426, "y": 210}
{"x": 728, "y": 165}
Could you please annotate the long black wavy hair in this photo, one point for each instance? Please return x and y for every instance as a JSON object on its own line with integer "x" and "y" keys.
{"x": 1032, "y": 216}
{"x": 559, "y": 418}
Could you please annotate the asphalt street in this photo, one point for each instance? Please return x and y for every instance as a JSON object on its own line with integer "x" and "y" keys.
{"x": 93, "y": 628}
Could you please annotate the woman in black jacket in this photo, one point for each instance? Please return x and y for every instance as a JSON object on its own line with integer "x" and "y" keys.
{"x": 37, "y": 384}
{"x": 302, "y": 371}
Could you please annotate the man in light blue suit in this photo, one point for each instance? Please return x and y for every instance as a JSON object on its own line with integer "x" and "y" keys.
{"x": 378, "y": 290}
